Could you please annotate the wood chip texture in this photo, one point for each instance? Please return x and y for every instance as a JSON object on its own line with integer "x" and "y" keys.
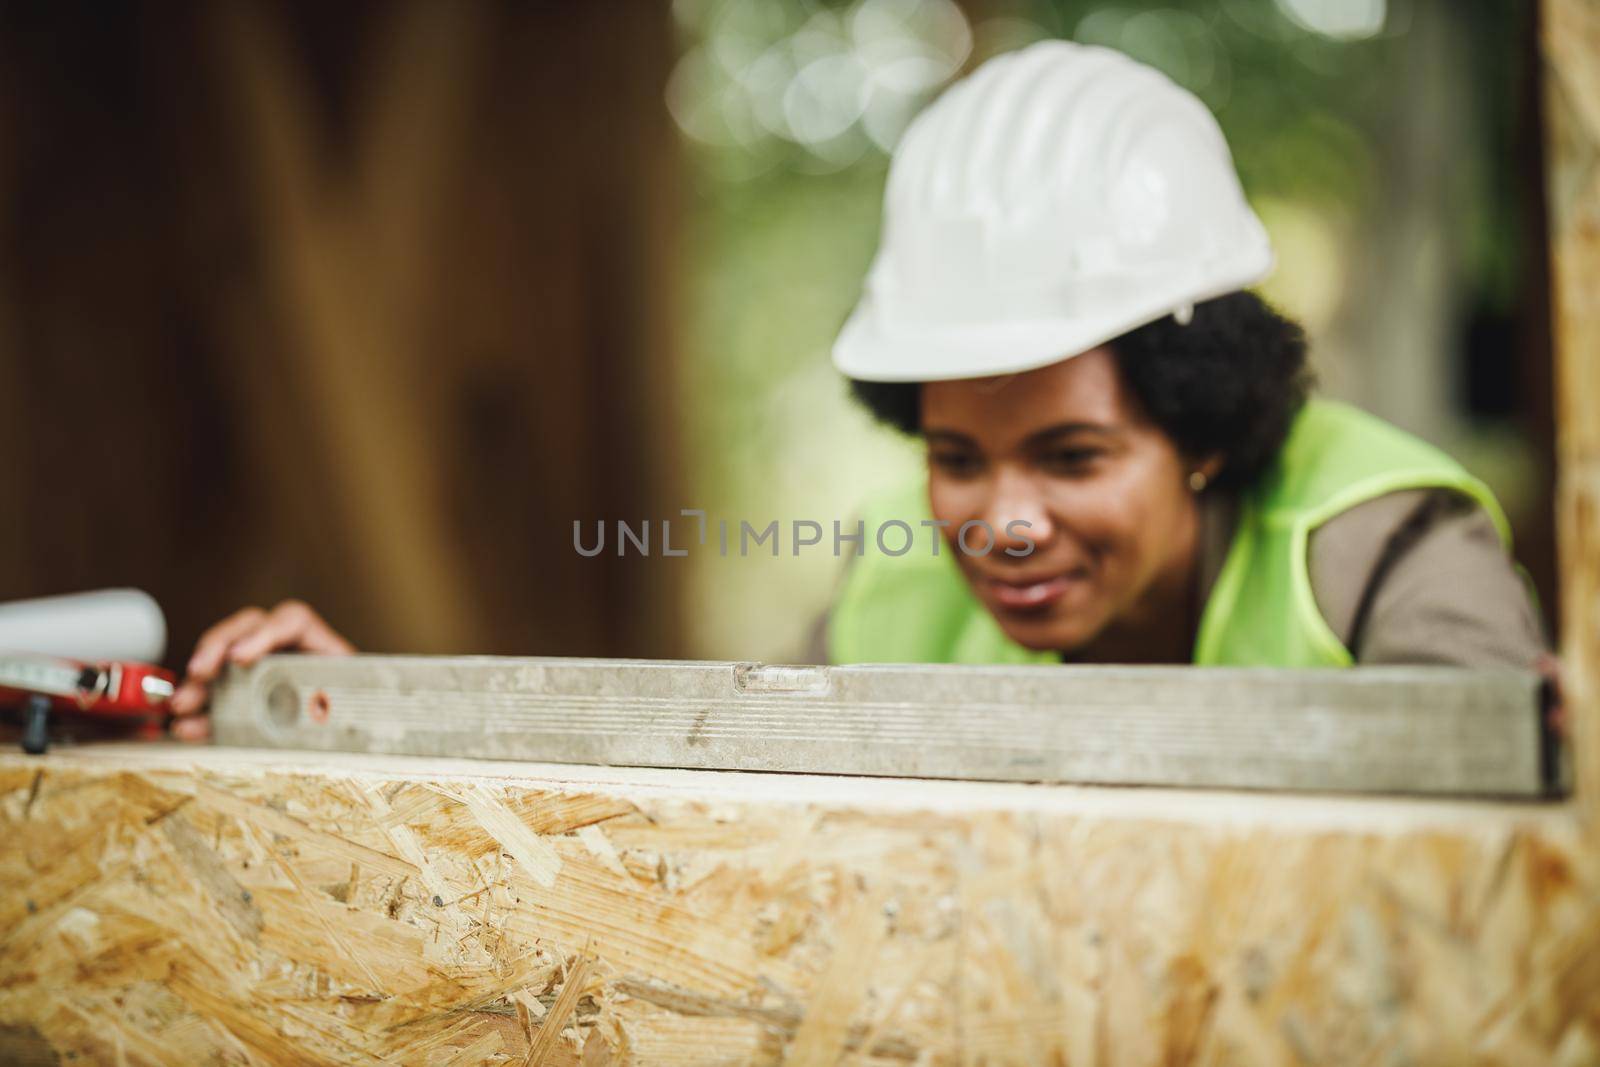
{"x": 221, "y": 910}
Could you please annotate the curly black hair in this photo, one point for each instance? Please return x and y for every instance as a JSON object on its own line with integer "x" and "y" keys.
{"x": 1230, "y": 382}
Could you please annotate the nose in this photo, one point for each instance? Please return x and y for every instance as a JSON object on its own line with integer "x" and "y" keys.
{"x": 1018, "y": 513}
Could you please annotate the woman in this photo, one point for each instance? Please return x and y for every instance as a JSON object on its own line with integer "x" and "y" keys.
{"x": 1058, "y": 309}
{"x": 1185, "y": 502}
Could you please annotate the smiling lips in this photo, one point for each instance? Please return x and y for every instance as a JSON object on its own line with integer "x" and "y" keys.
{"x": 1034, "y": 594}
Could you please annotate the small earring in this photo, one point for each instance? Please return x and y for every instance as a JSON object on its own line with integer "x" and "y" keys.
{"x": 1197, "y": 481}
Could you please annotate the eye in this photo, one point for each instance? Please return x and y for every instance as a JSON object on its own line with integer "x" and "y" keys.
{"x": 955, "y": 463}
{"x": 1070, "y": 460}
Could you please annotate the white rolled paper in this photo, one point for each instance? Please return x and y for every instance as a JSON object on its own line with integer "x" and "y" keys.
{"x": 107, "y": 624}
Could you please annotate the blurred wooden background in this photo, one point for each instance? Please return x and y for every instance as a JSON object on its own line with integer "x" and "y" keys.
{"x": 361, "y": 303}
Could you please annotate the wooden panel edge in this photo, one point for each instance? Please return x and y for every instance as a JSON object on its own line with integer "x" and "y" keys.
{"x": 1570, "y": 45}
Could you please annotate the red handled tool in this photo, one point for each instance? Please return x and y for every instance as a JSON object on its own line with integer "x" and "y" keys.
{"x": 122, "y": 690}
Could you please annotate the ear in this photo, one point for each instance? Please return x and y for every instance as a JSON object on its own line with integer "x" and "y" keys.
{"x": 1210, "y": 465}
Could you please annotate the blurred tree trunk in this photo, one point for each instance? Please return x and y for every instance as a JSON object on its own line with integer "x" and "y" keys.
{"x": 1404, "y": 280}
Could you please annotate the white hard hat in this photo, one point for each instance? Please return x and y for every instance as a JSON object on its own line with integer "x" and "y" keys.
{"x": 1054, "y": 199}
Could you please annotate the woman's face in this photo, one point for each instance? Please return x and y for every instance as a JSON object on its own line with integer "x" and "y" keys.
{"x": 1104, "y": 492}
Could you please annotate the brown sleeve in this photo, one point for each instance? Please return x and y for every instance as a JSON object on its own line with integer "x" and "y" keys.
{"x": 1420, "y": 576}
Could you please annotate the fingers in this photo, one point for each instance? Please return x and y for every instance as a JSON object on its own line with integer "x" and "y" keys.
{"x": 191, "y": 728}
{"x": 293, "y": 626}
{"x": 1558, "y": 721}
{"x": 1550, "y": 668}
{"x": 242, "y": 639}
{"x": 187, "y": 699}
{"x": 209, "y": 654}
{"x": 213, "y": 645}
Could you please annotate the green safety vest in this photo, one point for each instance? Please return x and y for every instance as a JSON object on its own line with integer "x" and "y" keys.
{"x": 917, "y": 607}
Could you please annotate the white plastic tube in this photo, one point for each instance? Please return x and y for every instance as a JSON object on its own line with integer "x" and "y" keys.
{"x": 108, "y": 624}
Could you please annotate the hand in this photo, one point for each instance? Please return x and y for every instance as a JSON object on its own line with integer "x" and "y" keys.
{"x": 1550, "y": 668}
{"x": 243, "y": 638}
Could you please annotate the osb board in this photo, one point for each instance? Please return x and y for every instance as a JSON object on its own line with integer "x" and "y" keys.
{"x": 223, "y": 906}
